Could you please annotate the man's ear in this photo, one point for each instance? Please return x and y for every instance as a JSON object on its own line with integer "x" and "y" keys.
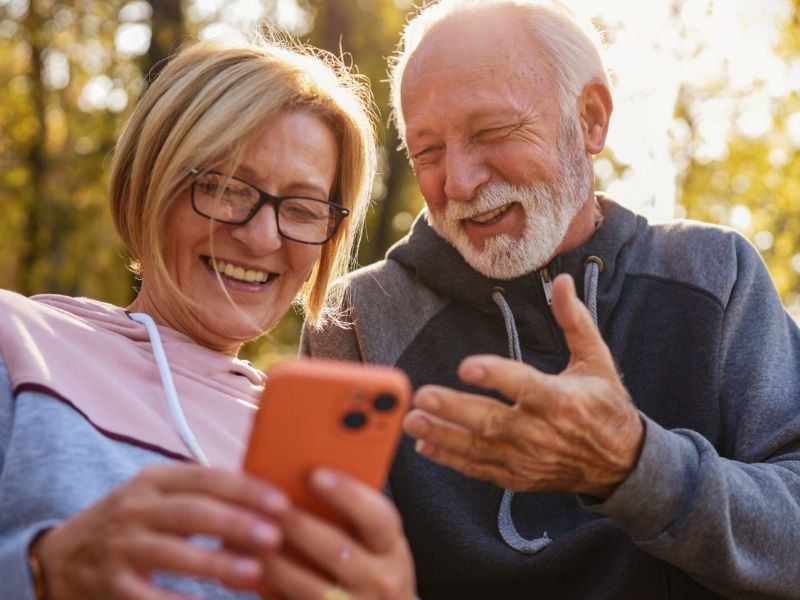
{"x": 595, "y": 108}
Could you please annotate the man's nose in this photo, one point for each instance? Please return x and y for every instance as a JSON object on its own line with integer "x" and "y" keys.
{"x": 260, "y": 234}
{"x": 465, "y": 172}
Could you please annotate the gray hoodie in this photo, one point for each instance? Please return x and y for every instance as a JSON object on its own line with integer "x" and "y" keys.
{"x": 710, "y": 358}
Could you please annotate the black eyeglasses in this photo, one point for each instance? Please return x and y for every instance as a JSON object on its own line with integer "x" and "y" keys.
{"x": 234, "y": 201}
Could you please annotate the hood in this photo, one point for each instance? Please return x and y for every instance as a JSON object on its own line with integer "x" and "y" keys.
{"x": 92, "y": 356}
{"x": 440, "y": 267}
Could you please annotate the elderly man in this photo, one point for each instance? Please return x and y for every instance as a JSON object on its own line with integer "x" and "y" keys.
{"x": 542, "y": 475}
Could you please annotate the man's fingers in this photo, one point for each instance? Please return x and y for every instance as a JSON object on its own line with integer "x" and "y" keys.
{"x": 472, "y": 412}
{"x": 495, "y": 473}
{"x": 444, "y": 435}
{"x": 519, "y": 382}
{"x": 583, "y": 338}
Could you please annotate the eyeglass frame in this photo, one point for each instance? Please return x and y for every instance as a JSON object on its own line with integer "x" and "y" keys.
{"x": 266, "y": 198}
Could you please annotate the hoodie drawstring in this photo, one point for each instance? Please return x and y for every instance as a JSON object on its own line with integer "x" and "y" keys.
{"x": 505, "y": 523}
{"x": 514, "y": 350}
{"x": 592, "y": 267}
{"x": 174, "y": 403}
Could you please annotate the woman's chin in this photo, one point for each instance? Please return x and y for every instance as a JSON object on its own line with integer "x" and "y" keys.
{"x": 228, "y": 335}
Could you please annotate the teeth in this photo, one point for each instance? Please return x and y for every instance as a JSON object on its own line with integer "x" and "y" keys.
{"x": 248, "y": 275}
{"x": 485, "y": 218}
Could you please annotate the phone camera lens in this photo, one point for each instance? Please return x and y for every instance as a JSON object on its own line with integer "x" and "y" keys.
{"x": 384, "y": 402}
{"x": 355, "y": 419}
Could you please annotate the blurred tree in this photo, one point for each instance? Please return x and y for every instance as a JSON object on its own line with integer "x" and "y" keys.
{"x": 366, "y": 33}
{"x": 755, "y": 187}
{"x": 71, "y": 76}
{"x": 34, "y": 162}
{"x": 71, "y": 70}
{"x": 167, "y": 28}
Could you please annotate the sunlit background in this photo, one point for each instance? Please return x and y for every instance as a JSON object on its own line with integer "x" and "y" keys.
{"x": 706, "y": 122}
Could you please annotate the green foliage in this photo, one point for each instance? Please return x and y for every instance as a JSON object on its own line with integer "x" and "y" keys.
{"x": 67, "y": 87}
{"x": 54, "y": 148}
{"x": 757, "y": 178}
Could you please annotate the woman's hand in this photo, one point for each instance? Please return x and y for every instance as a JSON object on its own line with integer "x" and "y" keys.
{"x": 374, "y": 562}
{"x": 110, "y": 549}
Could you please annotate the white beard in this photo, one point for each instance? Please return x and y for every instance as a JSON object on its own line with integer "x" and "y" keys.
{"x": 549, "y": 208}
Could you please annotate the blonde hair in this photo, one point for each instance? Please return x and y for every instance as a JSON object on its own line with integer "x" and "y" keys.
{"x": 205, "y": 107}
{"x": 574, "y": 45}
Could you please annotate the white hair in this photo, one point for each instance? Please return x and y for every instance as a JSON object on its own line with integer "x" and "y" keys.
{"x": 574, "y": 45}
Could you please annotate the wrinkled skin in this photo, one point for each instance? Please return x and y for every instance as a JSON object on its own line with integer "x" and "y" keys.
{"x": 576, "y": 431}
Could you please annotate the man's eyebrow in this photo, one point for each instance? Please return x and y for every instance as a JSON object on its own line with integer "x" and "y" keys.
{"x": 482, "y": 114}
{"x": 479, "y": 114}
{"x": 419, "y": 133}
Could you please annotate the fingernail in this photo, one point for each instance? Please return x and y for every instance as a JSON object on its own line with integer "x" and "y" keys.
{"x": 275, "y": 501}
{"x": 264, "y": 534}
{"x": 325, "y": 479}
{"x": 417, "y": 425}
{"x": 246, "y": 567}
{"x": 428, "y": 401}
{"x": 474, "y": 370}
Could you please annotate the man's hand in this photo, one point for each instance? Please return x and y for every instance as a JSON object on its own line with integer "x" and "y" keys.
{"x": 577, "y": 431}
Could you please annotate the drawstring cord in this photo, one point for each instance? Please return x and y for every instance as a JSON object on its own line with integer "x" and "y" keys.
{"x": 592, "y": 267}
{"x": 175, "y": 408}
{"x": 505, "y": 523}
{"x": 514, "y": 350}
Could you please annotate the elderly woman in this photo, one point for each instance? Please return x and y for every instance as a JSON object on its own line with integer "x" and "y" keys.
{"x": 239, "y": 185}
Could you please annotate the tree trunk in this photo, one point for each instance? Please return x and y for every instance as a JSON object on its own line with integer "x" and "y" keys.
{"x": 167, "y": 28}
{"x": 33, "y": 246}
{"x": 387, "y": 207}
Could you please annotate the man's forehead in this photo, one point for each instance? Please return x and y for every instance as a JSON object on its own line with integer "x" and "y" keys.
{"x": 480, "y": 33}
{"x": 468, "y": 90}
{"x": 480, "y": 46}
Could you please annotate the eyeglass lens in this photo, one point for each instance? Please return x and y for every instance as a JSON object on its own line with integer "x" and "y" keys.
{"x": 232, "y": 201}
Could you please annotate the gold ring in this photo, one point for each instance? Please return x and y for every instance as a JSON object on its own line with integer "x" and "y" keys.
{"x": 336, "y": 593}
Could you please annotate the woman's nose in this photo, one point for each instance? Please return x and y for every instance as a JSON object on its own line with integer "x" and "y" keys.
{"x": 260, "y": 234}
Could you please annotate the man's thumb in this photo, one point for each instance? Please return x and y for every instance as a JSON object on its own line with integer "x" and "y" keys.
{"x": 583, "y": 337}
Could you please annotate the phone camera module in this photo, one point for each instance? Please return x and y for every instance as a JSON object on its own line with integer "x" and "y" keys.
{"x": 384, "y": 402}
{"x": 354, "y": 419}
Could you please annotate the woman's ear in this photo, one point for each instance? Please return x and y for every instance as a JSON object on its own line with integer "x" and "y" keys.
{"x": 595, "y": 108}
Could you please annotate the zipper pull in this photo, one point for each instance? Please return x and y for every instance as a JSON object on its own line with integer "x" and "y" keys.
{"x": 547, "y": 285}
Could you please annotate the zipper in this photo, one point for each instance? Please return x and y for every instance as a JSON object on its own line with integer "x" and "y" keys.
{"x": 547, "y": 285}
{"x": 555, "y": 330}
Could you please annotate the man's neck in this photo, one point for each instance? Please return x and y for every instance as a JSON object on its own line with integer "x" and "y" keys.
{"x": 582, "y": 227}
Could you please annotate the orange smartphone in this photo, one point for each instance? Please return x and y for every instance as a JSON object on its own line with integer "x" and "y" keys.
{"x": 315, "y": 413}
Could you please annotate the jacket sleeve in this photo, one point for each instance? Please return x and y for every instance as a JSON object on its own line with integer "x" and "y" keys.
{"x": 15, "y": 577}
{"x": 730, "y": 518}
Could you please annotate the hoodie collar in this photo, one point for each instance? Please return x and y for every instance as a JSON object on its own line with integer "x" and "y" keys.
{"x": 440, "y": 267}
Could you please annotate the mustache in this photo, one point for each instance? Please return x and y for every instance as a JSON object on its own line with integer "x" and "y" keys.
{"x": 492, "y": 196}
